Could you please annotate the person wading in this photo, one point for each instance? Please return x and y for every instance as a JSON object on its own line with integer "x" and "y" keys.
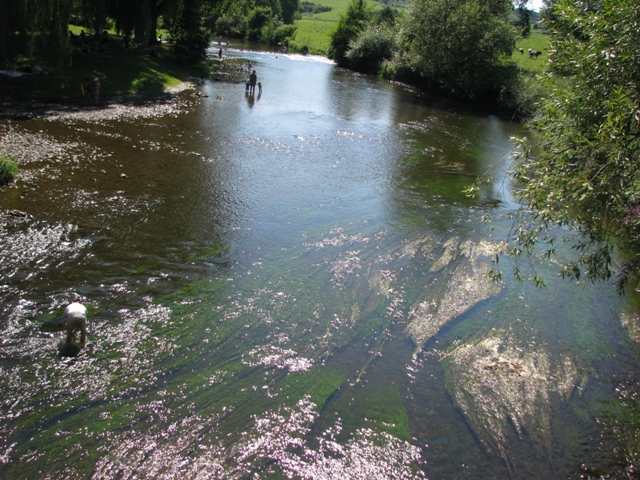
{"x": 253, "y": 79}
{"x": 75, "y": 320}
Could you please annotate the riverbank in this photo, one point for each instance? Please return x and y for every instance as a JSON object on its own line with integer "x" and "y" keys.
{"x": 125, "y": 76}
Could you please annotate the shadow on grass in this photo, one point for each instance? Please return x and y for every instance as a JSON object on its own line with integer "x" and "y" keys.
{"x": 121, "y": 74}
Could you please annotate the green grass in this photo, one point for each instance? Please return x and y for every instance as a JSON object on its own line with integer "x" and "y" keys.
{"x": 120, "y": 74}
{"x": 8, "y": 170}
{"x": 314, "y": 30}
{"x": 315, "y": 34}
{"x": 538, "y": 41}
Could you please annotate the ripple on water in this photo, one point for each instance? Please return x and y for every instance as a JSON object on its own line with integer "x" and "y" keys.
{"x": 272, "y": 356}
{"x": 276, "y": 444}
{"x": 29, "y": 248}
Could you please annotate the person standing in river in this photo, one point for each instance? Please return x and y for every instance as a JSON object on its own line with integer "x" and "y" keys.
{"x": 253, "y": 78}
{"x": 75, "y": 319}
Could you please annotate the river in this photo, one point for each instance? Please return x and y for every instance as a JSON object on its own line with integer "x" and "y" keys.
{"x": 293, "y": 285}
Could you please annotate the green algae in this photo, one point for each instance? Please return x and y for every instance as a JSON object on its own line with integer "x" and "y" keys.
{"x": 141, "y": 269}
{"x": 214, "y": 252}
{"x": 235, "y": 354}
{"x": 380, "y": 407}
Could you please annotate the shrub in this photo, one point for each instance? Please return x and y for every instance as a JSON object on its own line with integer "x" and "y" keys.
{"x": 190, "y": 46}
{"x": 273, "y": 33}
{"x": 231, "y": 26}
{"x": 580, "y": 172}
{"x": 300, "y": 47}
{"x": 284, "y": 32}
{"x": 8, "y": 170}
{"x": 347, "y": 30}
{"x": 370, "y": 48}
{"x": 258, "y": 18}
{"x": 521, "y": 95}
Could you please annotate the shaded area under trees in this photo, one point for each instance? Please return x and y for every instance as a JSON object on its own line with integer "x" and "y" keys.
{"x": 38, "y": 30}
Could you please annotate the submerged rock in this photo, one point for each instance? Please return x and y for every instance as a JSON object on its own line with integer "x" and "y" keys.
{"x": 17, "y": 213}
{"x": 461, "y": 283}
{"x": 506, "y": 392}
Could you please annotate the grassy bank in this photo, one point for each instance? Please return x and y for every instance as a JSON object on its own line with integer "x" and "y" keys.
{"x": 121, "y": 73}
{"x": 314, "y": 34}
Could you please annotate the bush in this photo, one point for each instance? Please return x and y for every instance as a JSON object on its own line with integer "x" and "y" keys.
{"x": 190, "y": 47}
{"x": 231, "y": 26}
{"x": 370, "y": 48}
{"x": 190, "y": 39}
{"x": 347, "y": 30}
{"x": 293, "y": 46}
{"x": 258, "y": 18}
{"x": 8, "y": 170}
{"x": 284, "y": 32}
{"x": 580, "y": 172}
{"x": 274, "y": 33}
{"x": 520, "y": 95}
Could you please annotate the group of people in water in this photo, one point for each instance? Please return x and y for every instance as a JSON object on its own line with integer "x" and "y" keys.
{"x": 252, "y": 81}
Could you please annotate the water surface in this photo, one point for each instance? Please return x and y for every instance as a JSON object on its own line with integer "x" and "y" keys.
{"x": 291, "y": 285}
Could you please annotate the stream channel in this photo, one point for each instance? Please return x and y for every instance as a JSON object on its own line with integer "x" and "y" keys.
{"x": 293, "y": 285}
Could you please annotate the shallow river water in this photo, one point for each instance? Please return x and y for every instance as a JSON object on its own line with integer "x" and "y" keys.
{"x": 292, "y": 285}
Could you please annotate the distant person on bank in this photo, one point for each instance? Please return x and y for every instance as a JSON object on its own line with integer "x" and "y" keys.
{"x": 75, "y": 320}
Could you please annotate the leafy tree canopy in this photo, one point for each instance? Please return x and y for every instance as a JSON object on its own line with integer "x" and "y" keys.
{"x": 38, "y": 29}
{"x": 359, "y": 13}
{"x": 31, "y": 26}
{"x": 587, "y": 176}
{"x": 190, "y": 38}
{"x": 456, "y": 46}
{"x": 371, "y": 47}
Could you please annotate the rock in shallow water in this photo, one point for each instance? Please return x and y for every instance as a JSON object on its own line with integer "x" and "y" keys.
{"x": 461, "y": 284}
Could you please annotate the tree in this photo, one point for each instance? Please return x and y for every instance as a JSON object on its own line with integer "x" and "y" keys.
{"x": 456, "y": 46}
{"x": 190, "y": 39}
{"x": 587, "y": 176}
{"x": 258, "y": 18}
{"x": 35, "y": 29}
{"x": 523, "y": 23}
{"x": 289, "y": 10}
{"x": 348, "y": 28}
{"x": 136, "y": 16}
{"x": 371, "y": 47}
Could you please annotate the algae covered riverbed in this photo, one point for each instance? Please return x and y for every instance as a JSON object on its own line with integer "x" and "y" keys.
{"x": 292, "y": 285}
